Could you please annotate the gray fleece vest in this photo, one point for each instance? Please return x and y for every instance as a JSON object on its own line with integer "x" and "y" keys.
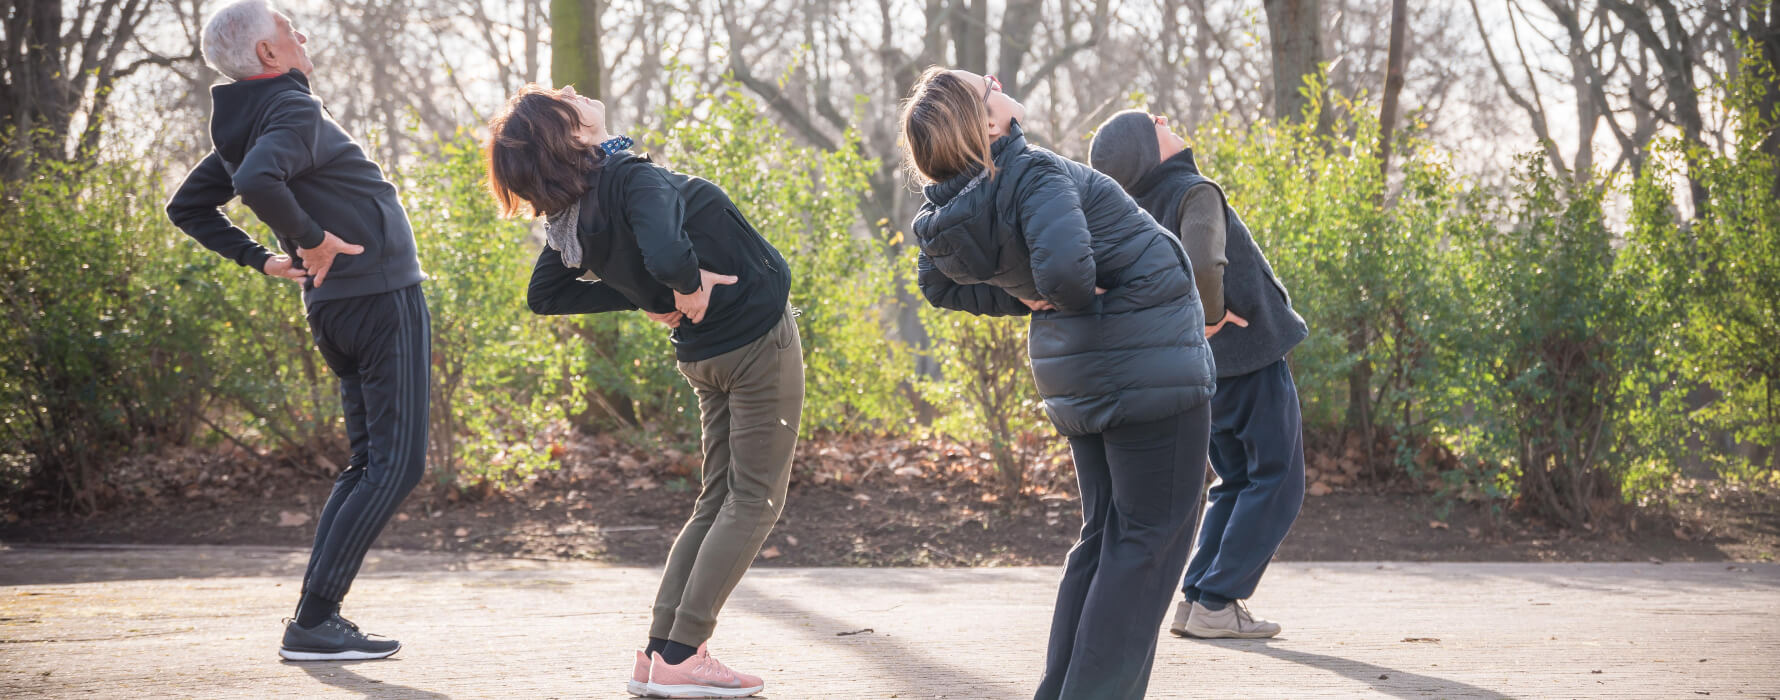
{"x": 1251, "y": 290}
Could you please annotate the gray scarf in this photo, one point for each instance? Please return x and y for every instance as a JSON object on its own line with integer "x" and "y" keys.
{"x": 560, "y": 229}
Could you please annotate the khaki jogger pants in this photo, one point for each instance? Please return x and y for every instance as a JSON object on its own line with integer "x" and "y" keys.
{"x": 750, "y": 401}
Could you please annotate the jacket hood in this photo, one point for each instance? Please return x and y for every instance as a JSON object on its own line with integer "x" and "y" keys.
{"x": 1179, "y": 162}
{"x": 1003, "y": 151}
{"x": 236, "y": 108}
{"x": 958, "y": 226}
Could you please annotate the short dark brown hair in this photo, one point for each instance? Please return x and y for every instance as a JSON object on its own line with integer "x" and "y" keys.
{"x": 535, "y": 165}
{"x": 944, "y": 127}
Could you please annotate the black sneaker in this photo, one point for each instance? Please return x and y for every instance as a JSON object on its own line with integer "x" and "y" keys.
{"x": 335, "y": 639}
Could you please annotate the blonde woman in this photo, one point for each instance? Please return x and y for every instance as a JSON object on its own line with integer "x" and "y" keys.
{"x": 1117, "y": 352}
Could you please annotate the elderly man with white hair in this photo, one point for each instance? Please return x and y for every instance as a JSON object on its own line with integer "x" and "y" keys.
{"x": 279, "y": 150}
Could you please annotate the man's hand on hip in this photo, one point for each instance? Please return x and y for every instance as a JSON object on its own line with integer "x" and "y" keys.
{"x": 320, "y": 258}
{"x": 281, "y": 266}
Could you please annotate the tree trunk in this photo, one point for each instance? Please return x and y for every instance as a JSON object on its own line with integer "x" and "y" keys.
{"x": 1766, "y": 35}
{"x": 575, "y": 45}
{"x": 1018, "y": 20}
{"x": 37, "y": 96}
{"x": 1676, "y": 57}
{"x": 1294, "y": 32}
{"x": 970, "y": 35}
{"x": 1393, "y": 85}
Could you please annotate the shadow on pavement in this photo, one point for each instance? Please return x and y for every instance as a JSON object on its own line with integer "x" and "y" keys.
{"x": 339, "y": 675}
{"x": 1379, "y": 679}
{"x": 896, "y": 661}
{"x": 48, "y": 564}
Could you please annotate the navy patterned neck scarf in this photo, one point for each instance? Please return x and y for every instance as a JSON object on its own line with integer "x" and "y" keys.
{"x": 616, "y": 144}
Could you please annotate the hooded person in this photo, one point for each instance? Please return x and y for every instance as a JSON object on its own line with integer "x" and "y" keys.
{"x": 276, "y": 147}
{"x": 1257, "y": 447}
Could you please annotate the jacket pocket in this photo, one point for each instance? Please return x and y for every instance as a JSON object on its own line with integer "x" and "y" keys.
{"x": 752, "y": 242}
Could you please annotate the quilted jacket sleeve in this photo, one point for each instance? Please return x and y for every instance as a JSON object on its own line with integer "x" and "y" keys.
{"x": 980, "y": 299}
{"x": 1056, "y": 231}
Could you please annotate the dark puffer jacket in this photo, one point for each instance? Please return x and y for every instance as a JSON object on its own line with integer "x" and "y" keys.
{"x": 1046, "y": 227}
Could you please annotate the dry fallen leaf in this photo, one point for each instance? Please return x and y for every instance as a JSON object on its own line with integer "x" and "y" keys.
{"x": 1437, "y": 525}
{"x": 462, "y": 532}
{"x": 291, "y": 518}
{"x": 791, "y": 540}
{"x": 770, "y": 553}
{"x": 641, "y": 482}
{"x": 1320, "y": 488}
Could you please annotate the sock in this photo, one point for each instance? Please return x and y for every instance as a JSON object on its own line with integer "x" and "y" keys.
{"x": 656, "y": 644}
{"x": 315, "y": 610}
{"x": 676, "y": 653}
{"x": 1212, "y": 601}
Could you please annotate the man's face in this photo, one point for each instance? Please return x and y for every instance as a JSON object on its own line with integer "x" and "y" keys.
{"x": 1168, "y": 143}
{"x": 284, "y": 50}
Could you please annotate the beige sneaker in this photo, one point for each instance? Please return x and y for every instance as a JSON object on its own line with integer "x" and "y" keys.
{"x": 1233, "y": 622}
{"x": 1182, "y": 612}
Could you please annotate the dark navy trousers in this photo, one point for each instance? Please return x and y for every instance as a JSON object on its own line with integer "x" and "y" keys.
{"x": 1257, "y": 450}
{"x": 1140, "y": 494}
{"x": 380, "y": 347}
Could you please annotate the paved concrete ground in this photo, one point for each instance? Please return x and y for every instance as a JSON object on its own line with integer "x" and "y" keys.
{"x": 204, "y": 622}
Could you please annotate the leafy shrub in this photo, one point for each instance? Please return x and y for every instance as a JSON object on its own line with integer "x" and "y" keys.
{"x": 97, "y": 358}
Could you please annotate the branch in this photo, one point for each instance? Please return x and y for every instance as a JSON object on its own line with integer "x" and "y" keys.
{"x": 774, "y": 96}
{"x": 1096, "y": 31}
{"x": 1540, "y": 128}
{"x": 157, "y": 60}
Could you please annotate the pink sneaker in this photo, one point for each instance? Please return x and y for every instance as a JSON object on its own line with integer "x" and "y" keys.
{"x": 701, "y": 676}
{"x": 639, "y": 677}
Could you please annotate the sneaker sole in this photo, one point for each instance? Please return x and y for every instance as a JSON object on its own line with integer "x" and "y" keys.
{"x": 639, "y": 689}
{"x": 349, "y": 655}
{"x": 1203, "y": 633}
{"x": 700, "y": 691}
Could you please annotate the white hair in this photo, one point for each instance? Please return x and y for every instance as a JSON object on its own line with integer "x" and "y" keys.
{"x": 232, "y": 36}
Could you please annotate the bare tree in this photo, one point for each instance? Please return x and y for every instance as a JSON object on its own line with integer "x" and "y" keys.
{"x": 57, "y": 73}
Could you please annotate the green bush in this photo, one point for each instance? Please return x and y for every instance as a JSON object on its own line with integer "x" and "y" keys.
{"x": 1716, "y": 285}
{"x": 97, "y": 355}
{"x": 1559, "y": 333}
{"x": 1372, "y": 278}
{"x": 986, "y": 388}
{"x": 498, "y": 387}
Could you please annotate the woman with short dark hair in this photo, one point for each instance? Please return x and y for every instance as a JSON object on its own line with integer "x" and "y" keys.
{"x": 675, "y": 247}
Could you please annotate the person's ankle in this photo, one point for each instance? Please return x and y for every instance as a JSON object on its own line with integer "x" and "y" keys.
{"x": 656, "y": 644}
{"x": 314, "y": 610}
{"x": 1213, "y": 602}
{"x": 675, "y": 653}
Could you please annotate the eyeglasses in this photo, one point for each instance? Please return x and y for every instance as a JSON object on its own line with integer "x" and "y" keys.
{"x": 990, "y": 84}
